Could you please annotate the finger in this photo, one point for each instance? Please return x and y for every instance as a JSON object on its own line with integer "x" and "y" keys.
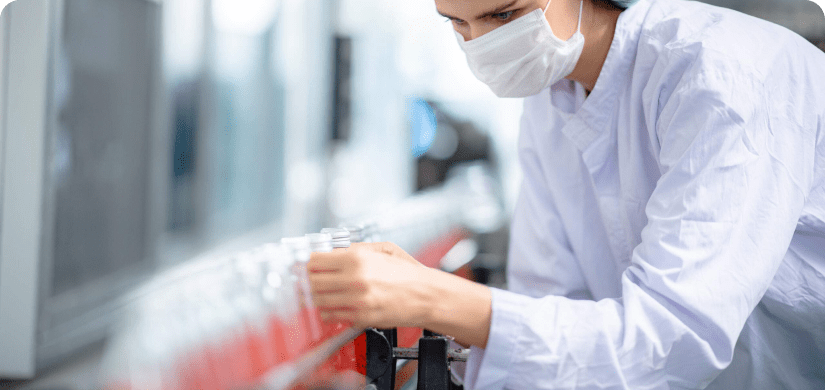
{"x": 328, "y": 282}
{"x": 327, "y": 262}
{"x": 337, "y": 301}
{"x": 350, "y": 287}
{"x": 360, "y": 318}
{"x": 340, "y": 315}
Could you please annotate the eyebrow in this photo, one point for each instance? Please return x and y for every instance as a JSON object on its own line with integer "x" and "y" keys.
{"x": 485, "y": 14}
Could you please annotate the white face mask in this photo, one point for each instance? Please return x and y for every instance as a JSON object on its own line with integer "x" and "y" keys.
{"x": 523, "y": 57}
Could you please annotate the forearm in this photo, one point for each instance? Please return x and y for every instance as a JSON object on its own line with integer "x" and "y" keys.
{"x": 458, "y": 307}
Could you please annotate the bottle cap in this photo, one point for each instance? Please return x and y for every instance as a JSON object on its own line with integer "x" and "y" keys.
{"x": 356, "y": 232}
{"x": 337, "y": 233}
{"x": 340, "y": 237}
{"x": 320, "y": 242}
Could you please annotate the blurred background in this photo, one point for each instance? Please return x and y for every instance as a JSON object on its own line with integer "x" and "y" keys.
{"x": 161, "y": 131}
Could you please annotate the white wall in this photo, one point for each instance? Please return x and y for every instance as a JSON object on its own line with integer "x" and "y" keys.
{"x": 3, "y": 57}
{"x": 22, "y": 190}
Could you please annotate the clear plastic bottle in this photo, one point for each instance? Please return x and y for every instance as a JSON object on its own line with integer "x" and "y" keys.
{"x": 192, "y": 367}
{"x": 223, "y": 331}
{"x": 300, "y": 248}
{"x": 287, "y": 329}
{"x": 248, "y": 298}
{"x": 345, "y": 359}
{"x": 152, "y": 349}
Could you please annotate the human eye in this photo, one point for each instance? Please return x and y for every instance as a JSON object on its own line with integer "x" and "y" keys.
{"x": 503, "y": 16}
{"x": 456, "y": 21}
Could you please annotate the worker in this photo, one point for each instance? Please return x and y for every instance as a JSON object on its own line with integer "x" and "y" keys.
{"x": 670, "y": 229}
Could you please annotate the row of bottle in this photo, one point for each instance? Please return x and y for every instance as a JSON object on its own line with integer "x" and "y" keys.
{"x": 226, "y": 326}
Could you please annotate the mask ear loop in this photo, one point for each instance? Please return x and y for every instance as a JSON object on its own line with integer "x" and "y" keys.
{"x": 581, "y": 11}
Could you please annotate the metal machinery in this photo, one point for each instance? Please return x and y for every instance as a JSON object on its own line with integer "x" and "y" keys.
{"x": 433, "y": 354}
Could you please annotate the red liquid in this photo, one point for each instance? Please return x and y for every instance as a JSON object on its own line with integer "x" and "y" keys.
{"x": 312, "y": 318}
{"x": 204, "y": 372}
{"x": 347, "y": 358}
{"x": 260, "y": 352}
{"x": 287, "y": 339}
{"x": 331, "y": 329}
{"x": 360, "y": 350}
{"x": 242, "y": 358}
{"x": 234, "y": 356}
{"x": 407, "y": 337}
{"x": 219, "y": 357}
{"x": 187, "y": 377}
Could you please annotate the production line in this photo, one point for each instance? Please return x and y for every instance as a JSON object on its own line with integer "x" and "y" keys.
{"x": 246, "y": 320}
{"x": 500, "y": 194}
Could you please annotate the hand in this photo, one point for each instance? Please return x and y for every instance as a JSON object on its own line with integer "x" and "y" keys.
{"x": 371, "y": 285}
{"x": 391, "y": 250}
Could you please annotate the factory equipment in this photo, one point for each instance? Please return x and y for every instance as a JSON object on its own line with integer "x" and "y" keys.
{"x": 81, "y": 210}
{"x": 245, "y": 319}
{"x": 235, "y": 322}
{"x": 127, "y": 145}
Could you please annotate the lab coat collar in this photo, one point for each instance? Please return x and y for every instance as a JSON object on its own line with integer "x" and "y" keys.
{"x": 597, "y": 111}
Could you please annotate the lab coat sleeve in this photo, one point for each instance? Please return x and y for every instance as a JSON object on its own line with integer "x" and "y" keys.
{"x": 734, "y": 179}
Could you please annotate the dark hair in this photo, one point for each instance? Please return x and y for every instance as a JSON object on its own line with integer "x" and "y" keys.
{"x": 614, "y": 4}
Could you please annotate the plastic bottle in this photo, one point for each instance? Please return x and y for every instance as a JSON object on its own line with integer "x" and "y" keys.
{"x": 300, "y": 248}
{"x": 248, "y": 299}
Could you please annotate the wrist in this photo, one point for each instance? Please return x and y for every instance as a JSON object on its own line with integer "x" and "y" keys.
{"x": 456, "y": 307}
{"x": 429, "y": 302}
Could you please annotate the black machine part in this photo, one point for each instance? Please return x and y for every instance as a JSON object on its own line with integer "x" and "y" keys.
{"x": 434, "y": 356}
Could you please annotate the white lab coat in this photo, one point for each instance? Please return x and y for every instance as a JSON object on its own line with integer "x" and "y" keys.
{"x": 670, "y": 231}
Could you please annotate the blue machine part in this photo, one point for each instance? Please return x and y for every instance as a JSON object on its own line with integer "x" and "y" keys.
{"x": 423, "y": 126}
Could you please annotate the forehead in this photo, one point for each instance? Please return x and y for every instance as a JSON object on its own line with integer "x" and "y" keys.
{"x": 473, "y": 7}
